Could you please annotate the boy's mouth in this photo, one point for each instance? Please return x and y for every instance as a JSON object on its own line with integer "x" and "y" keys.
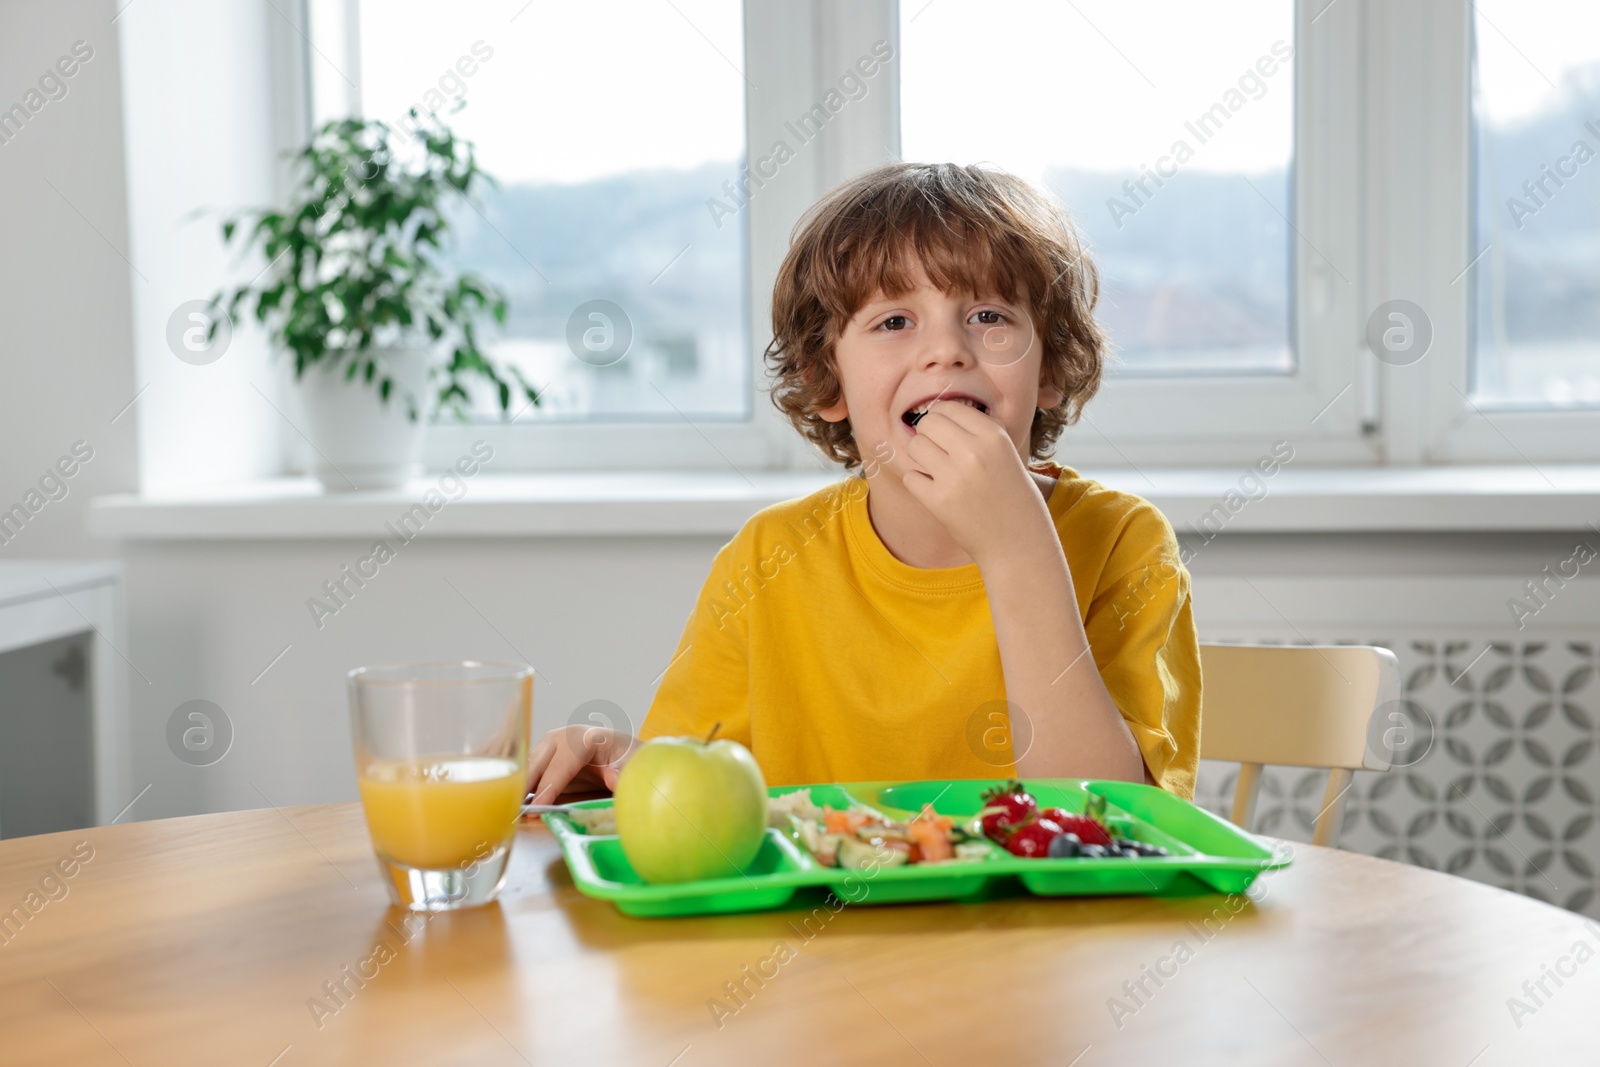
{"x": 913, "y": 414}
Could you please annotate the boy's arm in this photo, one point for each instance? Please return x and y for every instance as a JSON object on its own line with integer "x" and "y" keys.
{"x": 1050, "y": 672}
{"x": 974, "y": 482}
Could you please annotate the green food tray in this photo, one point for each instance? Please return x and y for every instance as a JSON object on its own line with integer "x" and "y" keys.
{"x": 1204, "y": 854}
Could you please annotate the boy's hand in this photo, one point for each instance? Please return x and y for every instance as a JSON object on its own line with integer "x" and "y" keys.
{"x": 971, "y": 477}
{"x": 577, "y": 759}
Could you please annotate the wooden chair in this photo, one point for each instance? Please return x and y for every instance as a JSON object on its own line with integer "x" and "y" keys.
{"x": 1297, "y": 706}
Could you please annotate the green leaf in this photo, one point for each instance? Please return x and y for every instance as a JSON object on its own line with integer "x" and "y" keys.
{"x": 353, "y": 252}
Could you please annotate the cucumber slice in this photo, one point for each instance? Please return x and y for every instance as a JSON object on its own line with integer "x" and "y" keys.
{"x": 824, "y": 847}
{"x": 857, "y": 855}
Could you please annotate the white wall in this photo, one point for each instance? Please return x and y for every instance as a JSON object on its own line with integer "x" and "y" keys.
{"x": 206, "y": 127}
{"x": 598, "y": 618}
{"x": 100, "y": 191}
{"x": 65, "y": 335}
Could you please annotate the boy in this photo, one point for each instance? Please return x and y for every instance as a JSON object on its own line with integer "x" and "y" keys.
{"x": 959, "y": 607}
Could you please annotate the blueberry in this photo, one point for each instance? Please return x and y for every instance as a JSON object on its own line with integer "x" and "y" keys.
{"x": 1095, "y": 851}
{"x": 1064, "y": 846}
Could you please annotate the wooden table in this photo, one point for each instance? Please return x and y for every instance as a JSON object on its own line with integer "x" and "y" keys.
{"x": 209, "y": 940}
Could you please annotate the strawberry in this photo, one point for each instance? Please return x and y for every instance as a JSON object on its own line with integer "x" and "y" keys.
{"x": 1033, "y": 840}
{"x": 1090, "y": 830}
{"x": 1005, "y": 808}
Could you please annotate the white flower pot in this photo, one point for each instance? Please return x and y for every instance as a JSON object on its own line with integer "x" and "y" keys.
{"x": 358, "y": 441}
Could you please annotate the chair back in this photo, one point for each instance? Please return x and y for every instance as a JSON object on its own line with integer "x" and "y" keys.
{"x": 1297, "y": 706}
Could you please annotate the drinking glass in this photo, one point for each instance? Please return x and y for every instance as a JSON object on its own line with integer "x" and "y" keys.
{"x": 442, "y": 763}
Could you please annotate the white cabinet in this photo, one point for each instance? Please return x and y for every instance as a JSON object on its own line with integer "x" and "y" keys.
{"x": 44, "y": 601}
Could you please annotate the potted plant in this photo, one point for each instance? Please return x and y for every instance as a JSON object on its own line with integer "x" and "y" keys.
{"x": 381, "y": 333}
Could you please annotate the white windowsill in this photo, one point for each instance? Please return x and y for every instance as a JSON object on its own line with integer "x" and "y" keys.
{"x": 708, "y": 503}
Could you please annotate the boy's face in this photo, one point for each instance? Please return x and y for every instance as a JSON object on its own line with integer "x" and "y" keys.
{"x": 898, "y": 355}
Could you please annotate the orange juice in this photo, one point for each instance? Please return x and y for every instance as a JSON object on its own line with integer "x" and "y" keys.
{"x": 436, "y": 812}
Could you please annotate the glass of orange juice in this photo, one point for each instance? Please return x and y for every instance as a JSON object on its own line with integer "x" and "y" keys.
{"x": 442, "y": 763}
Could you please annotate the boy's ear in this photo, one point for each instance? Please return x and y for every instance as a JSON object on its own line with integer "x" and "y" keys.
{"x": 1049, "y": 395}
{"x": 837, "y": 411}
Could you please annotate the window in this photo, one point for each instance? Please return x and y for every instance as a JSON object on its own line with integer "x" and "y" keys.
{"x": 1536, "y": 105}
{"x": 609, "y": 127}
{"x": 1167, "y": 131}
{"x": 1492, "y": 230}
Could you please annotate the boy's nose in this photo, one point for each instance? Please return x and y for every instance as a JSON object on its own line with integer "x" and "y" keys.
{"x": 946, "y": 347}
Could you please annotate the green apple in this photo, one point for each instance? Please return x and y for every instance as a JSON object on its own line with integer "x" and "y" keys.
{"x": 688, "y": 810}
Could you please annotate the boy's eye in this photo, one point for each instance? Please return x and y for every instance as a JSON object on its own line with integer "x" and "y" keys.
{"x": 893, "y": 322}
{"x": 989, "y": 317}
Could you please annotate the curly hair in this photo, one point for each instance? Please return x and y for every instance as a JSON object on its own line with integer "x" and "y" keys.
{"x": 970, "y": 229}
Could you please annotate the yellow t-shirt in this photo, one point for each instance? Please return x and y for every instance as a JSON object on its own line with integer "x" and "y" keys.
{"x": 836, "y": 662}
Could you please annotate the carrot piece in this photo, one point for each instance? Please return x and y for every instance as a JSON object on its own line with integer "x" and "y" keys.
{"x": 933, "y": 842}
{"x": 843, "y": 822}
